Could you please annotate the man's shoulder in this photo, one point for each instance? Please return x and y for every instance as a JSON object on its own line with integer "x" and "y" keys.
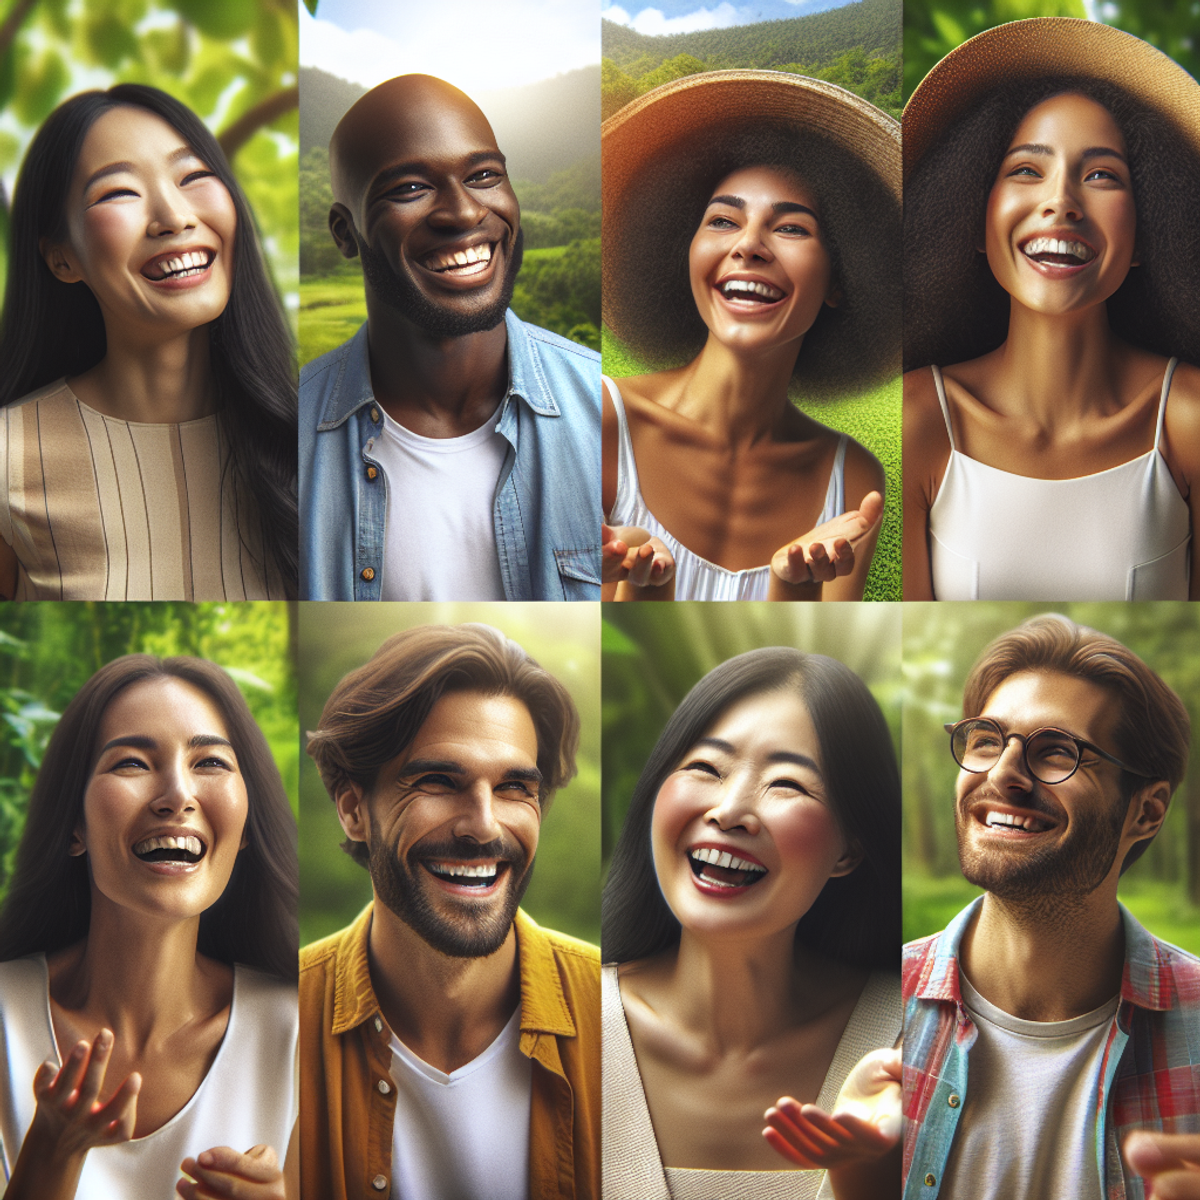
{"x": 320, "y": 957}
{"x": 916, "y": 959}
{"x": 312, "y": 372}
{"x": 554, "y": 341}
{"x": 574, "y": 958}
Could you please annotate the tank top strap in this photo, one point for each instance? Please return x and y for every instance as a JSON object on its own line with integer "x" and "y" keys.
{"x": 835, "y": 493}
{"x": 941, "y": 395}
{"x": 1168, "y": 375}
{"x": 628, "y": 488}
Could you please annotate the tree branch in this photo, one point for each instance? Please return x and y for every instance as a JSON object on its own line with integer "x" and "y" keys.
{"x": 263, "y": 113}
{"x": 8, "y": 31}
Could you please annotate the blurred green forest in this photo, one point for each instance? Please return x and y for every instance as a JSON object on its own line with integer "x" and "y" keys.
{"x": 48, "y": 651}
{"x": 932, "y": 28}
{"x": 563, "y": 638}
{"x": 941, "y": 643}
{"x": 874, "y": 419}
{"x": 654, "y": 653}
{"x": 856, "y": 46}
{"x": 232, "y": 61}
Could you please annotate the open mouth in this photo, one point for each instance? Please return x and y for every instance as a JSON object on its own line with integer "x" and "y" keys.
{"x": 185, "y": 849}
{"x": 720, "y": 869}
{"x": 1015, "y": 822}
{"x": 752, "y": 290}
{"x": 480, "y": 875}
{"x": 462, "y": 264}
{"x": 1058, "y": 252}
{"x": 179, "y": 266}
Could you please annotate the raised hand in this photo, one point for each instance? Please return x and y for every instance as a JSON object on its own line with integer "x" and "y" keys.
{"x": 631, "y": 555}
{"x": 225, "y": 1173}
{"x": 827, "y": 552}
{"x": 1169, "y": 1162}
{"x": 69, "y": 1121}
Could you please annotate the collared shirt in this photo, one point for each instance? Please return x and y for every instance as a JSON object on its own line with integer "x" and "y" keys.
{"x": 348, "y": 1099}
{"x": 1150, "y": 1069}
{"x": 547, "y": 506}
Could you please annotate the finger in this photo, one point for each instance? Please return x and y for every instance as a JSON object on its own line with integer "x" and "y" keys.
{"x": 819, "y": 566}
{"x": 869, "y": 1134}
{"x": 258, "y": 1163}
{"x": 65, "y": 1083}
{"x": 871, "y": 508}
{"x": 797, "y": 564}
{"x": 1153, "y": 1153}
{"x": 779, "y": 1143}
{"x": 606, "y": 534}
{"x": 809, "y": 1141}
{"x": 93, "y": 1077}
{"x": 117, "y": 1118}
{"x": 43, "y": 1080}
{"x": 1176, "y": 1185}
{"x": 639, "y": 574}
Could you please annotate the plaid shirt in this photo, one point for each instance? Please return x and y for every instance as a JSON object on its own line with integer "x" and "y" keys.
{"x": 1150, "y": 1070}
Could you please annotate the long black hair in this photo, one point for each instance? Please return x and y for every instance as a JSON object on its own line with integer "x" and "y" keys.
{"x": 954, "y": 309}
{"x": 856, "y": 918}
{"x": 49, "y": 901}
{"x": 50, "y": 328}
{"x": 648, "y": 292}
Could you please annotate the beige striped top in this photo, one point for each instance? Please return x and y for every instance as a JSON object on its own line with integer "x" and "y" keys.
{"x": 100, "y": 509}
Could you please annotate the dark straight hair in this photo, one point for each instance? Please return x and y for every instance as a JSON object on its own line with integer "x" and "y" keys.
{"x": 856, "y": 918}
{"x": 49, "y": 328}
{"x": 49, "y": 901}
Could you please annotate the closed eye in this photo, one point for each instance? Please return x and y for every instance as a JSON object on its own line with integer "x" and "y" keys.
{"x": 704, "y": 767}
{"x": 488, "y": 177}
{"x": 113, "y": 193}
{"x": 794, "y": 230}
{"x": 129, "y": 762}
{"x": 204, "y": 173}
{"x": 721, "y": 223}
{"x": 214, "y": 760}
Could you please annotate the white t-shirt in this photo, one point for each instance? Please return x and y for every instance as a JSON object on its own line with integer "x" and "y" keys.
{"x": 440, "y": 532}
{"x": 463, "y": 1136}
{"x": 1028, "y": 1125}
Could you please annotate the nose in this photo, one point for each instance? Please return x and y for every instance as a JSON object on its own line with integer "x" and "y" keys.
{"x": 1063, "y": 198}
{"x": 735, "y": 809}
{"x": 170, "y": 213}
{"x": 457, "y": 207}
{"x": 476, "y": 818}
{"x": 1009, "y": 772}
{"x": 176, "y": 794}
{"x": 750, "y": 244}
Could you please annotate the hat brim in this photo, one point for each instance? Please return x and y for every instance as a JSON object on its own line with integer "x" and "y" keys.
{"x": 1040, "y": 47}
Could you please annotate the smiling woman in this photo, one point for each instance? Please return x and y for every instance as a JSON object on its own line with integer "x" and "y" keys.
{"x": 148, "y": 440}
{"x": 1050, "y": 262}
{"x": 148, "y": 947}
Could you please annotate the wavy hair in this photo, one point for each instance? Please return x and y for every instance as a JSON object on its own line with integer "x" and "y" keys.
{"x": 49, "y": 900}
{"x": 50, "y": 328}
{"x": 856, "y": 918}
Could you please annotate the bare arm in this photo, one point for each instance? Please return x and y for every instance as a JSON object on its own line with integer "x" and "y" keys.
{"x": 863, "y": 474}
{"x": 926, "y": 454}
{"x": 1181, "y": 448}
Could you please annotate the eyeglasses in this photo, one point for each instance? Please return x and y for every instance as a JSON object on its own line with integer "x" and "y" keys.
{"x": 1049, "y": 755}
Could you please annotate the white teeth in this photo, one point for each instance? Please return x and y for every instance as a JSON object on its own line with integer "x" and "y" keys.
{"x": 462, "y": 258}
{"x": 752, "y": 287}
{"x": 1004, "y": 820}
{"x": 191, "y": 844}
{"x": 190, "y": 263}
{"x": 481, "y": 871}
{"x": 1046, "y": 245}
{"x": 720, "y": 858}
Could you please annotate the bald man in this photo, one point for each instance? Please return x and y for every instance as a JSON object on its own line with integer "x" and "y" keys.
{"x": 449, "y": 450}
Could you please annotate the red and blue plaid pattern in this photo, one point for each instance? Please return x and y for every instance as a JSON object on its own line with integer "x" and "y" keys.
{"x": 1150, "y": 1076}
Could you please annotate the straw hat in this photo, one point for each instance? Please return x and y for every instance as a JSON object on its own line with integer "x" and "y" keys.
{"x": 1034, "y": 49}
{"x": 684, "y": 112}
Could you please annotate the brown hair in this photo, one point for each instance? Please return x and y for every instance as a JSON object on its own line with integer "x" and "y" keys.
{"x": 1154, "y": 730}
{"x": 377, "y": 710}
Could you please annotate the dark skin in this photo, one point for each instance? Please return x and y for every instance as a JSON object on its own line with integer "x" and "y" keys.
{"x": 417, "y": 176}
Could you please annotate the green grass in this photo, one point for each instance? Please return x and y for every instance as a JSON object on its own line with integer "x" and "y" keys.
{"x": 872, "y": 419}
{"x": 930, "y": 904}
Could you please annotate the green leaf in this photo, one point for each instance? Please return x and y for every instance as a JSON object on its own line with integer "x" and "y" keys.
{"x": 109, "y": 40}
{"x": 42, "y": 81}
{"x": 224, "y": 19}
{"x": 311, "y": 5}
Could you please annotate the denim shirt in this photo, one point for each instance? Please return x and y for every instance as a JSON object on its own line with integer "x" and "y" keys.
{"x": 547, "y": 506}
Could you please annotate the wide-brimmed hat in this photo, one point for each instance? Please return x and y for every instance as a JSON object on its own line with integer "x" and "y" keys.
{"x": 1040, "y": 47}
{"x": 690, "y": 115}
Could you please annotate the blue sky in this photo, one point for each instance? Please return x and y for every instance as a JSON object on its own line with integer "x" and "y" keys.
{"x": 686, "y": 16}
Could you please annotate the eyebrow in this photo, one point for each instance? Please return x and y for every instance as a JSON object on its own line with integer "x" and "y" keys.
{"x": 421, "y": 766}
{"x": 421, "y": 167}
{"x": 1090, "y": 152}
{"x": 800, "y": 760}
{"x": 780, "y": 206}
{"x": 139, "y": 741}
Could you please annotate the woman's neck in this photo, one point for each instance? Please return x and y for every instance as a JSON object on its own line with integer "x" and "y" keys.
{"x": 155, "y": 383}
{"x": 741, "y": 399}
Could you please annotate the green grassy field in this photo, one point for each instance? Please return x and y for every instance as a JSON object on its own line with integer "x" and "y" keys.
{"x": 872, "y": 419}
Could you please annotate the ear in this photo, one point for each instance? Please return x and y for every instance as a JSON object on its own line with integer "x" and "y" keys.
{"x": 341, "y": 225}
{"x": 76, "y": 846}
{"x": 60, "y": 260}
{"x": 833, "y": 297}
{"x": 353, "y": 812}
{"x": 1147, "y": 810}
{"x": 848, "y": 861}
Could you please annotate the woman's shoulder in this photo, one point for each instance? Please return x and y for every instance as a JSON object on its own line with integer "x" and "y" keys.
{"x": 52, "y": 393}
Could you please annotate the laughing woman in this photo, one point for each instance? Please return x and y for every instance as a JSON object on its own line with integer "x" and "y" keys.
{"x": 751, "y": 931}
{"x": 751, "y": 248}
{"x": 1052, "y": 293}
{"x": 148, "y": 949}
{"x": 148, "y": 439}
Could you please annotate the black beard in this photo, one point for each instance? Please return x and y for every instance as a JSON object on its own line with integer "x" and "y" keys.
{"x": 476, "y": 931}
{"x": 1051, "y": 875}
{"x": 397, "y": 290}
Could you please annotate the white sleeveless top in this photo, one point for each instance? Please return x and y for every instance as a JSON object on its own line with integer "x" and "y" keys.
{"x": 1122, "y": 534}
{"x": 248, "y": 1096}
{"x": 696, "y": 578}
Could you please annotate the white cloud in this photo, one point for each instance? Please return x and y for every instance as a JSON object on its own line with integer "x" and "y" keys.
{"x": 652, "y": 22}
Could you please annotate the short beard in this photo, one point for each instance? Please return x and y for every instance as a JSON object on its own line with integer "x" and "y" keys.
{"x": 475, "y": 932}
{"x": 398, "y": 291}
{"x": 1052, "y": 878}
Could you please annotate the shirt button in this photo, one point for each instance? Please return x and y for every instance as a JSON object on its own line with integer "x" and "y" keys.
{"x": 379, "y": 1182}
{"x": 372, "y": 472}
{"x": 954, "y": 1101}
{"x": 375, "y": 415}
{"x": 378, "y": 1025}
{"x": 930, "y": 1179}
{"x": 384, "y": 1087}
{"x": 368, "y": 573}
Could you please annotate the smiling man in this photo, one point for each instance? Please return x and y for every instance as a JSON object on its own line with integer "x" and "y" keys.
{"x": 1045, "y": 1025}
{"x": 448, "y": 451}
{"x": 450, "y": 1046}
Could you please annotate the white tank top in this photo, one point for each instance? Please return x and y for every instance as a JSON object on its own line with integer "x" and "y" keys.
{"x": 1122, "y": 534}
{"x": 696, "y": 578}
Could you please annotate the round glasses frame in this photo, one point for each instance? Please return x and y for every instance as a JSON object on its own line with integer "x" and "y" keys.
{"x": 958, "y": 729}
